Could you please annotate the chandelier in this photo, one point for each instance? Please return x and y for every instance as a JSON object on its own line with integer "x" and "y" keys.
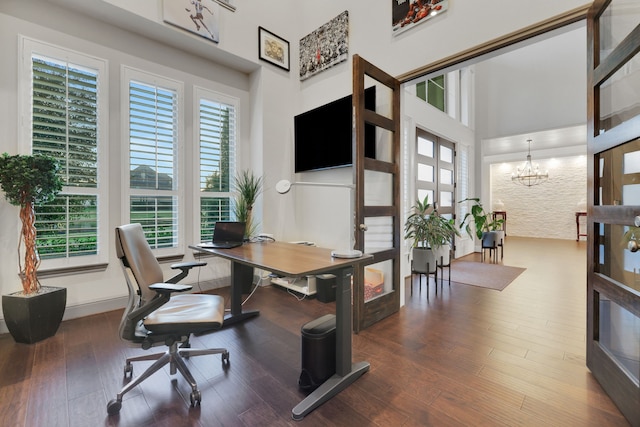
{"x": 529, "y": 174}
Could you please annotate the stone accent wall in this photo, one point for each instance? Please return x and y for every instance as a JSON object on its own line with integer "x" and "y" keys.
{"x": 546, "y": 210}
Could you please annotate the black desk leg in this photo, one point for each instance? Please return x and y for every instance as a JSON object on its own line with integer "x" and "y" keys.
{"x": 346, "y": 371}
{"x": 239, "y": 273}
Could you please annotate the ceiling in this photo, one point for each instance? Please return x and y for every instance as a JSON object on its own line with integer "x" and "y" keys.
{"x": 556, "y": 47}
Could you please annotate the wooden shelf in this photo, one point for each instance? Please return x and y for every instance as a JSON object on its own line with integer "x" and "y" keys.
{"x": 300, "y": 285}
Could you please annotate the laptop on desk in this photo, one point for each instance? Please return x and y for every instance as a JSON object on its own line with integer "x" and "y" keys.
{"x": 226, "y": 235}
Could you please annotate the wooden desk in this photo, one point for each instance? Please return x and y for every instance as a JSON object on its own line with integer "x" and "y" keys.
{"x": 293, "y": 260}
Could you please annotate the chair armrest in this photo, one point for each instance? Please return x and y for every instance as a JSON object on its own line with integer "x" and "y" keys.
{"x": 184, "y": 268}
{"x": 168, "y": 288}
{"x": 164, "y": 291}
{"x": 187, "y": 265}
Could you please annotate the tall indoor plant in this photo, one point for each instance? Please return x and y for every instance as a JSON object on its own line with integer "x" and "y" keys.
{"x": 431, "y": 235}
{"x": 487, "y": 229}
{"x": 28, "y": 181}
{"x": 248, "y": 188}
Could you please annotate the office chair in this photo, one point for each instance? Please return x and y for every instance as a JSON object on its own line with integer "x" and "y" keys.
{"x": 154, "y": 317}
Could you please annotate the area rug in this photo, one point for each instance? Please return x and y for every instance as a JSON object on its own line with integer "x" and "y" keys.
{"x": 485, "y": 275}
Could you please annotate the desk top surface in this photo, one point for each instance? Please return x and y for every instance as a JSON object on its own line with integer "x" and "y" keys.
{"x": 287, "y": 259}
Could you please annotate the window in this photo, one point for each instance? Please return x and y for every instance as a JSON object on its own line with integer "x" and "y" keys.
{"x": 433, "y": 92}
{"x": 435, "y": 166}
{"x": 216, "y": 125}
{"x": 154, "y": 135}
{"x": 67, "y": 115}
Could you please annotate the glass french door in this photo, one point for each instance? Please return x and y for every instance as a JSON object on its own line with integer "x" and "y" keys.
{"x": 613, "y": 213}
{"x": 376, "y": 292}
{"x": 435, "y": 171}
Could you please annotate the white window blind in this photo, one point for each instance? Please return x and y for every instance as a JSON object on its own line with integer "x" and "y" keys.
{"x": 153, "y": 138}
{"x": 217, "y": 140}
{"x": 463, "y": 180}
{"x": 65, "y": 126}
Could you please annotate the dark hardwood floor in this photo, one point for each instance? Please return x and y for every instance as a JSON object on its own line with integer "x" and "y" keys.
{"x": 468, "y": 356}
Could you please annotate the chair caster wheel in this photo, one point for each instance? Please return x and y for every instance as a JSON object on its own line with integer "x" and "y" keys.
{"x": 114, "y": 406}
{"x": 195, "y": 398}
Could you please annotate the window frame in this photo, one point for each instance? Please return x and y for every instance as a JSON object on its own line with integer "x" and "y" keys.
{"x": 426, "y": 91}
{"x": 30, "y": 47}
{"x": 129, "y": 74}
{"x": 199, "y": 93}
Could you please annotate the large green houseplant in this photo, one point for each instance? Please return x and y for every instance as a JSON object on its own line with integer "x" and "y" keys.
{"x": 430, "y": 234}
{"x": 28, "y": 181}
{"x": 482, "y": 220}
{"x": 485, "y": 227}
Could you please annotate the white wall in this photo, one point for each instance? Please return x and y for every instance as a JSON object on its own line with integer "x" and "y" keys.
{"x": 546, "y": 210}
{"x": 541, "y": 86}
{"x": 271, "y": 96}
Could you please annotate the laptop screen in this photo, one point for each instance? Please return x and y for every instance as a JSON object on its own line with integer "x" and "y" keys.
{"x": 228, "y": 231}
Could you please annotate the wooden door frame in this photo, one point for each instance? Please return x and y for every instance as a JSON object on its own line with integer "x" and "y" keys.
{"x": 477, "y": 52}
{"x": 622, "y": 389}
{"x": 367, "y": 313}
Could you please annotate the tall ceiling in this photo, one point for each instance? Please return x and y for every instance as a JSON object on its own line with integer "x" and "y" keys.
{"x": 565, "y": 49}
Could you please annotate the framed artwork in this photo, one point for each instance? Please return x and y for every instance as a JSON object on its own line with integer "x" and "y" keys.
{"x": 407, "y": 14}
{"x": 273, "y": 49}
{"x": 325, "y": 47}
{"x": 197, "y": 16}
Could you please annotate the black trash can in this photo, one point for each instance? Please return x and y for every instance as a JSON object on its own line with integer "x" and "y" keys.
{"x": 318, "y": 352}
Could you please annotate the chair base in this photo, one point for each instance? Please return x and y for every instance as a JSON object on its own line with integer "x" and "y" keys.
{"x": 175, "y": 358}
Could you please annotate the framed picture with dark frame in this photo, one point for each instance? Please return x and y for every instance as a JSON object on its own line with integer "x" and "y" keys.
{"x": 273, "y": 49}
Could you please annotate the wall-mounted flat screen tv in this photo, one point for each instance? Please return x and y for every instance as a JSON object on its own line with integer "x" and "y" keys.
{"x": 323, "y": 135}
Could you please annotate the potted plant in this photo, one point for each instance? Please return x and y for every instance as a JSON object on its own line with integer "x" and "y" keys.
{"x": 485, "y": 228}
{"x": 248, "y": 188}
{"x": 35, "y": 312}
{"x": 431, "y": 236}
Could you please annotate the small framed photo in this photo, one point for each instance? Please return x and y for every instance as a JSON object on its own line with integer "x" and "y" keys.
{"x": 273, "y": 49}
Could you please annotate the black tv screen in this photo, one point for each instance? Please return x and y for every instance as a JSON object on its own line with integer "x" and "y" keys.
{"x": 323, "y": 135}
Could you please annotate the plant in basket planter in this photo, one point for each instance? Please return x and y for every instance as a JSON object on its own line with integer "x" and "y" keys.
{"x": 28, "y": 181}
{"x": 431, "y": 236}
